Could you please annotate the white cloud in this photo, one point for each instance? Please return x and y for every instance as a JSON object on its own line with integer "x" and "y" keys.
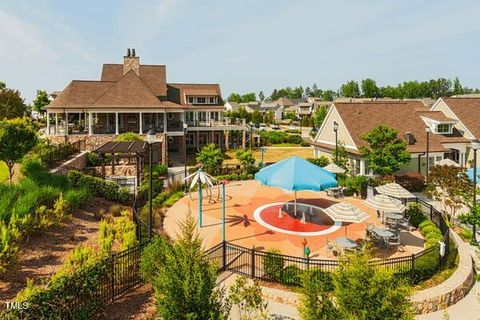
{"x": 72, "y": 47}
{"x": 240, "y": 58}
{"x": 164, "y": 7}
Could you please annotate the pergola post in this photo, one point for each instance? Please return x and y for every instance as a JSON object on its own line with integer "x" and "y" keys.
{"x": 137, "y": 168}
{"x": 102, "y": 159}
{"x": 113, "y": 163}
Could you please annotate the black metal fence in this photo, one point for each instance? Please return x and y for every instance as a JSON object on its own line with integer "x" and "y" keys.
{"x": 287, "y": 269}
{"x": 54, "y": 154}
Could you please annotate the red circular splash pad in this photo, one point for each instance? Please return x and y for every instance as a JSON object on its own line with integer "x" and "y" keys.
{"x": 317, "y": 223}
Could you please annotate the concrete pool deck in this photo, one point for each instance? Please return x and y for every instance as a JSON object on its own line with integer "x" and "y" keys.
{"x": 243, "y": 197}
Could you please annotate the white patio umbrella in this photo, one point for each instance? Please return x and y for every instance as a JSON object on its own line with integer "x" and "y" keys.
{"x": 333, "y": 168}
{"x": 384, "y": 203}
{"x": 346, "y": 212}
{"x": 395, "y": 190}
{"x": 447, "y": 162}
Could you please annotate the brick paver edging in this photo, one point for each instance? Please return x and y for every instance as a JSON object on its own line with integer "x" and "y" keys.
{"x": 453, "y": 289}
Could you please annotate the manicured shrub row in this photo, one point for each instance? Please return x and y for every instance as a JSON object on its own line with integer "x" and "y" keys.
{"x": 430, "y": 232}
{"x": 412, "y": 181}
{"x": 291, "y": 275}
{"x": 320, "y": 161}
{"x": 235, "y": 176}
{"x": 277, "y": 137}
{"x": 99, "y": 187}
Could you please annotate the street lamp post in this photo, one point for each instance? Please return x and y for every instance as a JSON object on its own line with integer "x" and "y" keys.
{"x": 150, "y": 141}
{"x": 475, "y": 144}
{"x": 335, "y": 129}
{"x": 185, "y": 126}
{"x": 427, "y": 169}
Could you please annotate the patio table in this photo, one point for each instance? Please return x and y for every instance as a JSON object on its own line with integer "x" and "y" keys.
{"x": 393, "y": 216}
{"x": 346, "y": 243}
{"x": 383, "y": 232}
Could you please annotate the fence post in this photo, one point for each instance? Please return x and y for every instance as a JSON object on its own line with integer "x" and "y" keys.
{"x": 112, "y": 261}
{"x": 224, "y": 255}
{"x": 252, "y": 274}
{"x": 413, "y": 267}
{"x": 431, "y": 212}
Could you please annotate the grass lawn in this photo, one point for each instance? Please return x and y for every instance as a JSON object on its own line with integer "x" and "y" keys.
{"x": 3, "y": 172}
{"x": 272, "y": 154}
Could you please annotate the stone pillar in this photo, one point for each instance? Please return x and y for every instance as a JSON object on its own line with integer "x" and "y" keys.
{"x": 116, "y": 124}
{"x": 48, "y": 123}
{"x": 165, "y": 150}
{"x": 227, "y": 145}
{"x": 140, "y": 120}
{"x": 56, "y": 123}
{"x": 362, "y": 167}
{"x": 244, "y": 139}
{"x": 90, "y": 121}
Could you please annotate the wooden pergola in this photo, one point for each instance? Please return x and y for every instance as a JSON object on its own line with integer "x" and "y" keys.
{"x": 125, "y": 150}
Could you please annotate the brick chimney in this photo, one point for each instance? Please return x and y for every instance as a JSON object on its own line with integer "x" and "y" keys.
{"x": 131, "y": 62}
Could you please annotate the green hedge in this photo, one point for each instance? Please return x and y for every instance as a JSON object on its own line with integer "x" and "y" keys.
{"x": 59, "y": 299}
{"x": 99, "y": 187}
{"x": 415, "y": 214}
{"x": 236, "y": 176}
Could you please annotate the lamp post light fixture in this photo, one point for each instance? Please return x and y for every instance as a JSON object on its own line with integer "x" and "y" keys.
{"x": 150, "y": 140}
{"x": 475, "y": 144}
{"x": 185, "y": 127}
{"x": 335, "y": 129}
{"x": 427, "y": 169}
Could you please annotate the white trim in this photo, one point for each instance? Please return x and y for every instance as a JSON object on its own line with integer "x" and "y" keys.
{"x": 456, "y": 117}
{"x": 258, "y": 218}
{"x": 333, "y": 144}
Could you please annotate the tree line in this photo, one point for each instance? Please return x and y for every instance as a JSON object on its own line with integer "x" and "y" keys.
{"x": 366, "y": 88}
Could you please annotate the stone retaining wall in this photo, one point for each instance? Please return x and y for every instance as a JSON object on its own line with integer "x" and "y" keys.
{"x": 78, "y": 162}
{"x": 453, "y": 289}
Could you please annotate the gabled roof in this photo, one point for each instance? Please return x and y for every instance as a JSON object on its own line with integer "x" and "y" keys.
{"x": 285, "y": 102}
{"x": 129, "y": 91}
{"x": 80, "y": 93}
{"x": 154, "y": 76}
{"x": 362, "y": 117}
{"x": 196, "y": 89}
{"x": 468, "y": 112}
{"x": 436, "y": 115}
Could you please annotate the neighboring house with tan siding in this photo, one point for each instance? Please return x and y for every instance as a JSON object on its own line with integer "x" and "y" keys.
{"x": 409, "y": 118}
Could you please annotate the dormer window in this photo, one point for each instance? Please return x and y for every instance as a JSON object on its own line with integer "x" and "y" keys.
{"x": 190, "y": 100}
{"x": 202, "y": 100}
{"x": 444, "y": 128}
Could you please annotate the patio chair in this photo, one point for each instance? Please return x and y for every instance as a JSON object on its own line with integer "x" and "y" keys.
{"x": 394, "y": 243}
{"x": 370, "y": 227}
{"x": 404, "y": 224}
{"x": 332, "y": 247}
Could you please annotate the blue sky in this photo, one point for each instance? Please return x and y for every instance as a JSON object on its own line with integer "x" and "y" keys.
{"x": 244, "y": 45}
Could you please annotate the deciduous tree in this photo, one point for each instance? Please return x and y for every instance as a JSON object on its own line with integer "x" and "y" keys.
{"x": 211, "y": 158}
{"x": 451, "y": 187}
{"x": 369, "y": 88}
{"x": 41, "y": 100}
{"x": 17, "y": 138}
{"x": 350, "y": 89}
{"x": 385, "y": 151}
{"x": 11, "y": 104}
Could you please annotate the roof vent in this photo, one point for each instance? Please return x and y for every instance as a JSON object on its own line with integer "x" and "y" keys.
{"x": 409, "y": 137}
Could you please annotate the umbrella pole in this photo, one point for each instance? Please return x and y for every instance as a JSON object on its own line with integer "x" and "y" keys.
{"x": 295, "y": 204}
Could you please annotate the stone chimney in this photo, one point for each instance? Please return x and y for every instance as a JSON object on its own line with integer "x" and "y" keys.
{"x": 131, "y": 62}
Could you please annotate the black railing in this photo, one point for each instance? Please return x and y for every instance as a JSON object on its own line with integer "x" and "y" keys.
{"x": 287, "y": 269}
{"x": 53, "y": 154}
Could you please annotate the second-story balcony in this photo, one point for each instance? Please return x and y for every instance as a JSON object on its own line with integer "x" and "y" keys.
{"x": 216, "y": 123}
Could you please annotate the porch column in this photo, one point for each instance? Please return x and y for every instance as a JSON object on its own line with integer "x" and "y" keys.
{"x": 108, "y": 123}
{"x": 56, "y": 123}
{"x": 362, "y": 167}
{"x": 165, "y": 122}
{"x": 141, "y": 122}
{"x": 48, "y": 123}
{"x": 208, "y": 118}
{"x": 66, "y": 123}
{"x": 90, "y": 121}
{"x": 227, "y": 145}
{"x": 116, "y": 123}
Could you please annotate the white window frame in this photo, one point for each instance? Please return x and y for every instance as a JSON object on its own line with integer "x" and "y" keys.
{"x": 444, "y": 124}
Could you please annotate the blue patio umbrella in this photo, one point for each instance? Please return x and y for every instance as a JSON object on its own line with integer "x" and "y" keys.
{"x": 294, "y": 174}
{"x": 470, "y": 174}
